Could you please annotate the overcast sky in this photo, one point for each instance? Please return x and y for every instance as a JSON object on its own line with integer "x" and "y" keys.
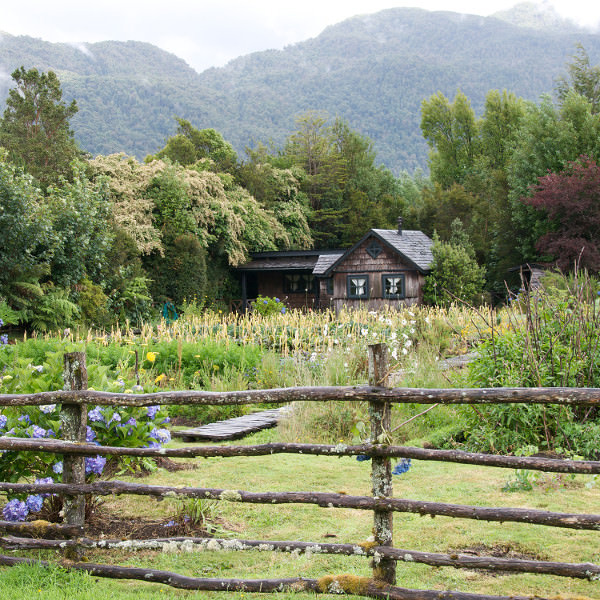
{"x": 209, "y": 33}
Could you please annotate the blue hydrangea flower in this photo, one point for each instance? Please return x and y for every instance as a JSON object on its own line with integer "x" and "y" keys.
{"x": 45, "y": 480}
{"x": 94, "y": 465}
{"x": 3, "y": 421}
{"x": 15, "y": 510}
{"x": 47, "y": 408}
{"x": 95, "y": 414}
{"x": 151, "y": 411}
{"x": 25, "y": 419}
{"x": 116, "y": 418}
{"x": 34, "y": 503}
{"x": 57, "y": 467}
{"x": 90, "y": 434}
{"x": 362, "y": 457}
{"x": 162, "y": 435}
{"x": 38, "y": 432}
{"x": 4, "y": 339}
{"x": 402, "y": 466}
{"x": 283, "y": 310}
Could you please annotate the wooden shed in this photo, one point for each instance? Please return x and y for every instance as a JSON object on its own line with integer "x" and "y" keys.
{"x": 387, "y": 267}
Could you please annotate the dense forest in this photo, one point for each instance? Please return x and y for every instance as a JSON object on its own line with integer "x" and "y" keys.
{"x": 371, "y": 71}
{"x": 109, "y": 238}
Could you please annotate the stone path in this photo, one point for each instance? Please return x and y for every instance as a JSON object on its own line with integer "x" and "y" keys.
{"x": 232, "y": 428}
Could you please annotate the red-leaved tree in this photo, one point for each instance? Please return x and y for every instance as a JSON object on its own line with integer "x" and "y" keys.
{"x": 571, "y": 201}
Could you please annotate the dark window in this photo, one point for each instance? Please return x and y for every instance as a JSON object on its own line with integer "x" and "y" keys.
{"x": 392, "y": 285}
{"x": 374, "y": 249}
{"x": 298, "y": 283}
{"x": 329, "y": 284}
{"x": 358, "y": 286}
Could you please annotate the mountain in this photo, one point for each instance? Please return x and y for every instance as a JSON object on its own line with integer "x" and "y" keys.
{"x": 372, "y": 70}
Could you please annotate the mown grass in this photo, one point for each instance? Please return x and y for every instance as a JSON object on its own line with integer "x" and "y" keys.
{"x": 426, "y": 481}
{"x": 313, "y": 350}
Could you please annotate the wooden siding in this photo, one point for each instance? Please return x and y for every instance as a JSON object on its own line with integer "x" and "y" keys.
{"x": 360, "y": 262}
{"x": 270, "y": 283}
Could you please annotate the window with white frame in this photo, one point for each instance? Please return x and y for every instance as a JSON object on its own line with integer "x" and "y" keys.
{"x": 392, "y": 285}
{"x": 358, "y": 286}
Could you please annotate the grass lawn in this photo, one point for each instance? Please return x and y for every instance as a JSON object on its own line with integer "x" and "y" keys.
{"x": 433, "y": 481}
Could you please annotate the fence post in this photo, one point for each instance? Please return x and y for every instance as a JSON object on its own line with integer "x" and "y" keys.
{"x": 73, "y": 419}
{"x": 380, "y": 415}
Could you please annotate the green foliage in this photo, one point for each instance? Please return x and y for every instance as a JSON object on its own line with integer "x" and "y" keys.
{"x": 455, "y": 274}
{"x": 25, "y": 229}
{"x": 191, "y": 145}
{"x": 452, "y": 132}
{"x": 553, "y": 343}
{"x": 265, "y": 306}
{"x": 81, "y": 229}
{"x": 35, "y": 127}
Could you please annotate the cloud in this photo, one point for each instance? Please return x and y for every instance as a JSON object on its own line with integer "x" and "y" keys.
{"x": 82, "y": 48}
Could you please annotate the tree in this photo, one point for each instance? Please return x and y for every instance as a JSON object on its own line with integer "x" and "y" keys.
{"x": 35, "y": 128}
{"x": 25, "y": 235}
{"x": 570, "y": 201}
{"x": 190, "y": 145}
{"x": 455, "y": 273}
{"x": 451, "y": 131}
{"x": 583, "y": 79}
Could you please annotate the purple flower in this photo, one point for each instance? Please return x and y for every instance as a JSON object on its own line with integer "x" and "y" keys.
{"x": 169, "y": 524}
{"x": 3, "y": 339}
{"x": 152, "y": 444}
{"x": 45, "y": 480}
{"x": 15, "y": 510}
{"x": 162, "y": 435}
{"x": 94, "y": 465}
{"x": 58, "y": 467}
{"x": 3, "y": 421}
{"x": 151, "y": 411}
{"x": 25, "y": 419}
{"x": 131, "y": 421}
{"x": 362, "y": 457}
{"x": 47, "y": 408}
{"x": 38, "y": 432}
{"x": 116, "y": 418}
{"x": 95, "y": 415}
{"x": 90, "y": 434}
{"x": 166, "y": 420}
{"x": 50, "y": 433}
{"x": 283, "y": 310}
{"x": 34, "y": 503}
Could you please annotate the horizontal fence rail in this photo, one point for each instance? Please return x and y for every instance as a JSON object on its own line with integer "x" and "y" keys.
{"x": 551, "y": 465}
{"x": 557, "y": 396}
{"x": 71, "y": 539}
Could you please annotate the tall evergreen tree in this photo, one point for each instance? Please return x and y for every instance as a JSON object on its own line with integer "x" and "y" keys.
{"x": 35, "y": 128}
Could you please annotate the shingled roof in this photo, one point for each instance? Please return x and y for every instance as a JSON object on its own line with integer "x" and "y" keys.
{"x": 413, "y": 246}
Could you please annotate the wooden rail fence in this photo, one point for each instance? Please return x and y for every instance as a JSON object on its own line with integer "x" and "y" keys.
{"x": 70, "y": 537}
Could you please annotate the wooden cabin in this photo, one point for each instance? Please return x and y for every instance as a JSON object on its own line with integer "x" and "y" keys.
{"x": 387, "y": 267}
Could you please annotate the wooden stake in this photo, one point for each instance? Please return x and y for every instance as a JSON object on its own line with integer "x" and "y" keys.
{"x": 380, "y": 415}
{"x": 73, "y": 418}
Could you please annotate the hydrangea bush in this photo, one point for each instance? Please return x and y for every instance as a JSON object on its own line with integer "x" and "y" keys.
{"x": 127, "y": 426}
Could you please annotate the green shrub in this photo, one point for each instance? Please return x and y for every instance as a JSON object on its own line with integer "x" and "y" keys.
{"x": 552, "y": 342}
{"x": 266, "y": 306}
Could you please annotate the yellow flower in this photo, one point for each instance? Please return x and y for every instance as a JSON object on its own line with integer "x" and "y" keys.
{"x": 215, "y": 367}
{"x": 160, "y": 378}
{"x": 151, "y": 356}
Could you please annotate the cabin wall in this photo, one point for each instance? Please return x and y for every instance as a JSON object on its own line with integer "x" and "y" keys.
{"x": 360, "y": 262}
{"x": 270, "y": 283}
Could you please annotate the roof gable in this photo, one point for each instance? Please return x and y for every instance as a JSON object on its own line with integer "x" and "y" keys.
{"x": 414, "y": 247}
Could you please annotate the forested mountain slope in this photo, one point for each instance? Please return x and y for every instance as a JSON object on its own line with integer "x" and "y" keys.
{"x": 371, "y": 70}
